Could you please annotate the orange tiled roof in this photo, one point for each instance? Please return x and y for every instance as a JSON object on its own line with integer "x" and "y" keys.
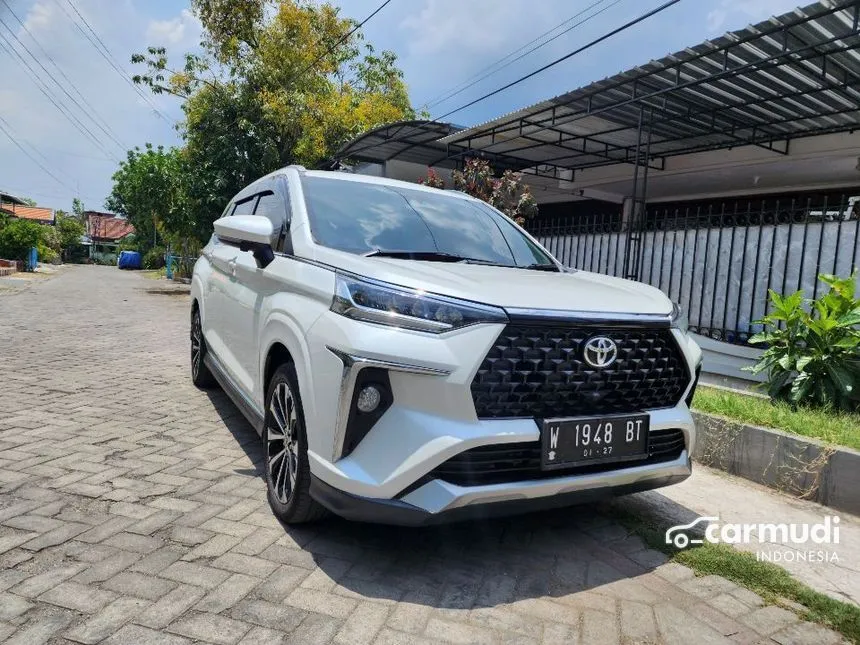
{"x": 104, "y": 226}
{"x": 37, "y": 213}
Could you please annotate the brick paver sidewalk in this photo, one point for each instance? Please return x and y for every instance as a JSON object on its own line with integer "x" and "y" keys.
{"x": 132, "y": 512}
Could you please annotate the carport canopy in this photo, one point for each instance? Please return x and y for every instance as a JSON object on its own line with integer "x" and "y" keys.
{"x": 795, "y": 75}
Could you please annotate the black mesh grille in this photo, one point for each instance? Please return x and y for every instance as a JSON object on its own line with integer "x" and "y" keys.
{"x": 512, "y": 462}
{"x": 537, "y": 370}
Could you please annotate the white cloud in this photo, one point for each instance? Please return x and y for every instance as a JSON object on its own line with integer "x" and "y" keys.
{"x": 41, "y": 16}
{"x": 184, "y": 29}
{"x": 736, "y": 14}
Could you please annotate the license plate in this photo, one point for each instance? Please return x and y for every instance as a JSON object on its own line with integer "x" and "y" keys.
{"x": 593, "y": 440}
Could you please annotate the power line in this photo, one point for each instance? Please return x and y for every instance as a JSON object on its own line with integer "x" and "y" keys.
{"x": 3, "y": 124}
{"x": 54, "y": 79}
{"x": 579, "y": 50}
{"x": 501, "y": 64}
{"x": 92, "y": 110}
{"x": 43, "y": 88}
{"x": 105, "y": 53}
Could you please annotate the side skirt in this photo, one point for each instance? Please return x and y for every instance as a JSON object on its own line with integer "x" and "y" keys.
{"x": 248, "y": 409}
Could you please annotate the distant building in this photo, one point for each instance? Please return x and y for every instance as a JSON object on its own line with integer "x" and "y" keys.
{"x": 104, "y": 232}
{"x": 17, "y": 207}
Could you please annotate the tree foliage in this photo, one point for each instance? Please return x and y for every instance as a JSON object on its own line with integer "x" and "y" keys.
{"x": 150, "y": 191}
{"x": 69, "y": 230}
{"x": 18, "y": 236}
{"x": 278, "y": 82}
{"x": 507, "y": 193}
{"x": 813, "y": 347}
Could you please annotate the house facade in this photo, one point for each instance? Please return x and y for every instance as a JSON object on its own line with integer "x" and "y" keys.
{"x": 104, "y": 234}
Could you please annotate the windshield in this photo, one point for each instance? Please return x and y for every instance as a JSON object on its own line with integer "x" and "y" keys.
{"x": 365, "y": 218}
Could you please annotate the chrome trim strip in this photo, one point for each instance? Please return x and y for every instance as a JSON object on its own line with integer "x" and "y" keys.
{"x": 352, "y": 365}
{"x": 590, "y": 316}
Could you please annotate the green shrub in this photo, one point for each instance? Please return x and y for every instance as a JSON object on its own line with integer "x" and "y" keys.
{"x": 17, "y": 237}
{"x": 154, "y": 258}
{"x": 813, "y": 352}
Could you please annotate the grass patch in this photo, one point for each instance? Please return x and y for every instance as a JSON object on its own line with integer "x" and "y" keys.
{"x": 840, "y": 428}
{"x": 773, "y": 583}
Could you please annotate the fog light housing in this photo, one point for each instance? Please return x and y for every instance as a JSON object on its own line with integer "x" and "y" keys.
{"x": 368, "y": 399}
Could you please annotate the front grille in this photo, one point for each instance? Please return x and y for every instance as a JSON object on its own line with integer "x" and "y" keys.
{"x": 538, "y": 370}
{"x": 512, "y": 462}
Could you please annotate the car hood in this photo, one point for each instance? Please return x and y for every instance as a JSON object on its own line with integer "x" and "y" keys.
{"x": 510, "y": 287}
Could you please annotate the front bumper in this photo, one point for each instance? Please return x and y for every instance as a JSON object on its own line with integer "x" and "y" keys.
{"x": 439, "y": 501}
{"x": 431, "y": 420}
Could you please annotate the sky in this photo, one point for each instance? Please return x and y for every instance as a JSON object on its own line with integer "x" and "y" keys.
{"x": 442, "y": 45}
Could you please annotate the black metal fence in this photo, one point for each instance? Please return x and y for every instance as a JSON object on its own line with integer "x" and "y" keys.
{"x": 718, "y": 259}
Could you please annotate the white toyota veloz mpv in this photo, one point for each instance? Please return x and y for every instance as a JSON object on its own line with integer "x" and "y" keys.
{"x": 410, "y": 355}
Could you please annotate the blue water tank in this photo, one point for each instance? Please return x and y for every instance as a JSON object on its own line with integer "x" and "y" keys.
{"x": 129, "y": 260}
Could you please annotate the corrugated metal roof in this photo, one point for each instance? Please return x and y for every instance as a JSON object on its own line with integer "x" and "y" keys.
{"x": 790, "y": 76}
{"x": 415, "y": 141}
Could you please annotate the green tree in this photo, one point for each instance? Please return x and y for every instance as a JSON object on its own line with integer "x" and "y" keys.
{"x": 279, "y": 82}
{"x": 150, "y": 189}
{"x": 69, "y": 231}
{"x": 18, "y": 236}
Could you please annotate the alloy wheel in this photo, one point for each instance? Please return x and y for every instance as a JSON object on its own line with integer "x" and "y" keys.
{"x": 282, "y": 442}
{"x": 196, "y": 345}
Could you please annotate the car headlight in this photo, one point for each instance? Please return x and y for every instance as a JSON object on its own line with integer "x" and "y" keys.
{"x": 385, "y": 304}
{"x": 679, "y": 317}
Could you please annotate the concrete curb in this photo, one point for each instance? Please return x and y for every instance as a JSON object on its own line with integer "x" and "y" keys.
{"x": 799, "y": 466}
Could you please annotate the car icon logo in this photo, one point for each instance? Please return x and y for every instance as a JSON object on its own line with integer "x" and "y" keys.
{"x": 677, "y": 535}
{"x": 600, "y": 352}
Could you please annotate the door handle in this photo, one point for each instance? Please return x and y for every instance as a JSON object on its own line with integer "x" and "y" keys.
{"x": 232, "y": 265}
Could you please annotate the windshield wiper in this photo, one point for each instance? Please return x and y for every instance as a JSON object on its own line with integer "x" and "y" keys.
{"x": 541, "y": 267}
{"x": 431, "y": 256}
{"x": 440, "y": 256}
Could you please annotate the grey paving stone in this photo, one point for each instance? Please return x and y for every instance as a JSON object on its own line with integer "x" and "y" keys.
{"x": 363, "y": 624}
{"x": 107, "y": 621}
{"x": 198, "y": 575}
{"x": 39, "y": 629}
{"x": 228, "y": 593}
{"x": 806, "y": 634}
{"x": 131, "y": 583}
{"x": 266, "y": 614}
{"x": 169, "y": 607}
{"x": 239, "y": 563}
{"x": 314, "y": 630}
{"x": 210, "y": 628}
{"x": 73, "y": 595}
{"x": 768, "y": 620}
{"x": 262, "y": 636}
{"x": 137, "y": 635}
{"x": 12, "y": 606}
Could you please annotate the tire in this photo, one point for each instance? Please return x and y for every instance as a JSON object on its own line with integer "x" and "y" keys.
{"x": 288, "y": 474}
{"x": 200, "y": 374}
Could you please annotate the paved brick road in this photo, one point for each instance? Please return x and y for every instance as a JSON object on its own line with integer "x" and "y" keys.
{"x": 131, "y": 512}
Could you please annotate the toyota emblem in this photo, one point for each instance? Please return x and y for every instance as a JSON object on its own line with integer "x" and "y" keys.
{"x": 600, "y": 352}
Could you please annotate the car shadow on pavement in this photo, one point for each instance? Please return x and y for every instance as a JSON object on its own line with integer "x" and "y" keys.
{"x": 473, "y": 564}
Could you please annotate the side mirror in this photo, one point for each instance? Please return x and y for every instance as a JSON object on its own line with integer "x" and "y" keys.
{"x": 251, "y": 233}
